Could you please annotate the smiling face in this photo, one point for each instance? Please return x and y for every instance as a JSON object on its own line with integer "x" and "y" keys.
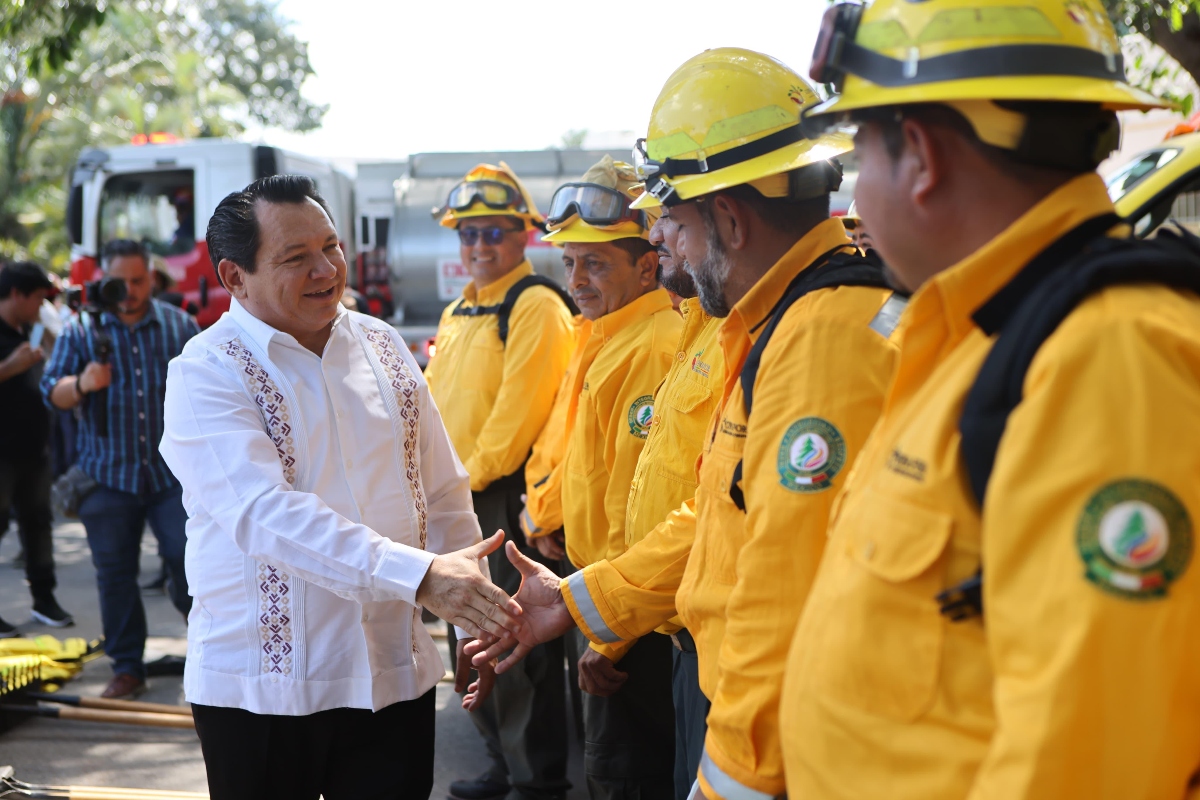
{"x": 488, "y": 263}
{"x": 602, "y": 277}
{"x": 665, "y": 238}
{"x": 300, "y": 271}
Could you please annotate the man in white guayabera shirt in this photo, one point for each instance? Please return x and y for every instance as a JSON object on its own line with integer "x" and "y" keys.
{"x": 319, "y": 484}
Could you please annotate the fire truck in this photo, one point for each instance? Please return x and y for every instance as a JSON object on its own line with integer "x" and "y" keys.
{"x": 161, "y": 192}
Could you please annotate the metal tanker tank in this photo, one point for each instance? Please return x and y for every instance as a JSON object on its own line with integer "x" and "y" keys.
{"x": 426, "y": 271}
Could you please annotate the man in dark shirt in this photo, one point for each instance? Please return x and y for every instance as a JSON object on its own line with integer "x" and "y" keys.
{"x": 25, "y": 471}
{"x": 135, "y": 485}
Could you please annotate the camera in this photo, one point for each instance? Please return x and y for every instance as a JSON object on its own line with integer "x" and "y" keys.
{"x": 104, "y": 294}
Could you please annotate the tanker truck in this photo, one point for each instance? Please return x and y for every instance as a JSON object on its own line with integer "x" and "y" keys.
{"x": 161, "y": 192}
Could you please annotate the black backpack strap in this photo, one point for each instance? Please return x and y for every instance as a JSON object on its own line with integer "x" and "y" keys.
{"x": 830, "y": 270}
{"x": 1026, "y": 312}
{"x": 504, "y": 308}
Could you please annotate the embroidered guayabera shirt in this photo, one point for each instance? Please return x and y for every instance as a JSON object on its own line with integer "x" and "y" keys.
{"x": 318, "y": 489}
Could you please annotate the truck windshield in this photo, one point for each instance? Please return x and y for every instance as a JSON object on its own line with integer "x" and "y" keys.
{"x": 1136, "y": 171}
{"x": 157, "y": 208}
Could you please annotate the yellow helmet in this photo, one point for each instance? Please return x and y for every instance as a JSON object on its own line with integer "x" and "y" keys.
{"x": 488, "y": 191}
{"x": 728, "y": 117}
{"x": 968, "y": 52}
{"x": 597, "y": 208}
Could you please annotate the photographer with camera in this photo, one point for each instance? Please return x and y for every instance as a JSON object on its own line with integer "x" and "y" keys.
{"x": 25, "y": 470}
{"x": 111, "y": 361}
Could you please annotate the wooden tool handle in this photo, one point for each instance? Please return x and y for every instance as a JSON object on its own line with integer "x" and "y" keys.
{"x": 126, "y": 717}
{"x": 134, "y": 705}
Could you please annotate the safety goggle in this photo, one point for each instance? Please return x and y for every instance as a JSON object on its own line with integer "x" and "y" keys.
{"x": 491, "y": 235}
{"x": 493, "y": 194}
{"x": 836, "y": 55}
{"x": 596, "y": 205}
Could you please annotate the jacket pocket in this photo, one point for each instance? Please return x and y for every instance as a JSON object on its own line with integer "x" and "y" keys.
{"x": 686, "y": 394}
{"x": 586, "y": 444}
{"x": 881, "y": 642}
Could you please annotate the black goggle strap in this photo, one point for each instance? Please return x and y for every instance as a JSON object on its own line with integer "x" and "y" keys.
{"x": 675, "y": 167}
{"x": 1003, "y": 61}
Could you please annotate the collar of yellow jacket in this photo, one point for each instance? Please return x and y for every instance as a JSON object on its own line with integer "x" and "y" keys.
{"x": 762, "y": 297}
{"x": 494, "y": 292}
{"x": 646, "y": 305}
{"x": 690, "y": 306}
{"x": 970, "y": 283}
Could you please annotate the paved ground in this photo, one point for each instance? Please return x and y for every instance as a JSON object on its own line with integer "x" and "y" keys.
{"x": 61, "y": 751}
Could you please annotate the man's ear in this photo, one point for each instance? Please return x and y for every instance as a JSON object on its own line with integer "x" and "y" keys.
{"x": 647, "y": 267}
{"x": 732, "y": 220}
{"x": 923, "y": 159}
{"x": 232, "y": 278}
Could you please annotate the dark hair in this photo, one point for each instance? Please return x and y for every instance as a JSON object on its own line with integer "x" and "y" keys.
{"x": 233, "y": 231}
{"x": 123, "y": 247}
{"x": 793, "y": 217}
{"x": 1059, "y": 137}
{"x": 25, "y": 277}
{"x": 635, "y": 248}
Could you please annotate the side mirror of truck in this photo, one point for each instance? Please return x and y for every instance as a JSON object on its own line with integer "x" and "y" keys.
{"x": 203, "y": 283}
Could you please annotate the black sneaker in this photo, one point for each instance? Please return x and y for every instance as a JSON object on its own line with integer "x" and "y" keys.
{"x": 8, "y": 630}
{"x": 47, "y": 611}
{"x": 486, "y": 787}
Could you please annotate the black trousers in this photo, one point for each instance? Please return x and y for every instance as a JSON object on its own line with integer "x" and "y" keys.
{"x": 629, "y": 738}
{"x": 524, "y": 721}
{"x": 340, "y": 754}
{"x": 25, "y": 486}
{"x": 691, "y": 715}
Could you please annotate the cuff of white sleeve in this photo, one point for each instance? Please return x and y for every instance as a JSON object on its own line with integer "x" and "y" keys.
{"x": 401, "y": 571}
{"x": 461, "y": 634}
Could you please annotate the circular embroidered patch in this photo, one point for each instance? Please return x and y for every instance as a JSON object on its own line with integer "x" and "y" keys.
{"x": 811, "y": 454}
{"x": 641, "y": 413}
{"x": 1135, "y": 539}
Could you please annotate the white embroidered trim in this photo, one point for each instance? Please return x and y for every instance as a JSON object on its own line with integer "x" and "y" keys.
{"x": 270, "y": 402}
{"x": 405, "y": 387}
{"x": 274, "y": 585}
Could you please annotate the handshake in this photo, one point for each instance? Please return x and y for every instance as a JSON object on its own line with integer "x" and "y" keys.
{"x": 456, "y": 591}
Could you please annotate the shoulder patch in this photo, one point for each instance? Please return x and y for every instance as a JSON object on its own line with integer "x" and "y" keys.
{"x": 1135, "y": 539}
{"x": 811, "y": 454}
{"x": 641, "y": 413}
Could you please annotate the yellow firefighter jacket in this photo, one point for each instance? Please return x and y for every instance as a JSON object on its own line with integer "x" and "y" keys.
{"x": 1082, "y": 680}
{"x": 612, "y": 404}
{"x": 665, "y": 481}
{"x": 495, "y": 398}
{"x": 543, "y": 472}
{"x": 819, "y": 390}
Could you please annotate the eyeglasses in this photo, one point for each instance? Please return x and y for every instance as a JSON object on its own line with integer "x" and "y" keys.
{"x": 493, "y": 194}
{"x": 492, "y": 235}
{"x": 596, "y": 205}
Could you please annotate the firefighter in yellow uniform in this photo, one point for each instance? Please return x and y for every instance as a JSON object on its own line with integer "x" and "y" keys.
{"x": 502, "y": 349}
{"x": 1007, "y": 606}
{"x": 661, "y": 494}
{"x": 753, "y": 209}
{"x": 627, "y": 344}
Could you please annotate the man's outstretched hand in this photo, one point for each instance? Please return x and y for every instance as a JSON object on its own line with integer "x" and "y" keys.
{"x": 455, "y": 590}
{"x": 481, "y": 687}
{"x": 545, "y": 615}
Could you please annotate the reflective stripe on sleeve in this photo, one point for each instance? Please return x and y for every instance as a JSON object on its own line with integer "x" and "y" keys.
{"x": 591, "y": 615}
{"x": 726, "y": 786}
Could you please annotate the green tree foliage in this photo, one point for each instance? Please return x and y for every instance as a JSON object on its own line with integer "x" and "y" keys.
{"x": 76, "y": 74}
{"x": 1172, "y": 25}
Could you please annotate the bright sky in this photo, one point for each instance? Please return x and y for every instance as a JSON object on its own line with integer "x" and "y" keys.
{"x": 409, "y": 77}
